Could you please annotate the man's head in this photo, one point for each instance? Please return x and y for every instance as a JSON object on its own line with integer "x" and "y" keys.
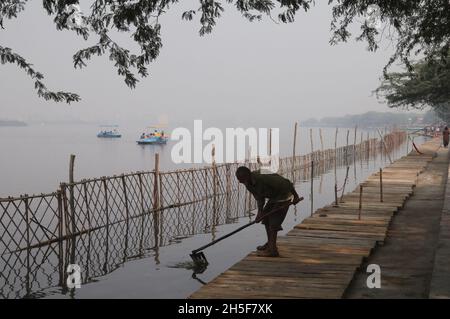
{"x": 243, "y": 174}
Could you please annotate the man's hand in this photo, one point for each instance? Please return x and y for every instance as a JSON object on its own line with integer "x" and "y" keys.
{"x": 297, "y": 200}
{"x": 258, "y": 217}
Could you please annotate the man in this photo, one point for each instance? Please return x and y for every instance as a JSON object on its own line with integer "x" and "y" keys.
{"x": 280, "y": 193}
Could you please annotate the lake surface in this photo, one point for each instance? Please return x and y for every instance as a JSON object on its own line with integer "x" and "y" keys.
{"x": 35, "y": 158}
{"x": 36, "y": 161}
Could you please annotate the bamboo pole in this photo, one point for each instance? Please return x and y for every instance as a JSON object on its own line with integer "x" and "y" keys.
{"x": 346, "y": 148}
{"x": 156, "y": 203}
{"x": 27, "y": 223}
{"x": 361, "y": 145}
{"x": 345, "y": 184}
{"x": 161, "y": 217}
{"x": 335, "y": 160}
{"x": 63, "y": 187}
{"x": 86, "y": 202}
{"x": 384, "y": 144}
{"x": 270, "y": 145}
{"x": 214, "y": 169}
{"x": 178, "y": 203}
{"x": 228, "y": 191}
{"x": 368, "y": 146}
{"x": 60, "y": 241}
{"x": 107, "y": 226}
{"x": 336, "y": 202}
{"x": 407, "y": 145}
{"x": 312, "y": 187}
{"x": 381, "y": 185}
{"x": 360, "y": 201}
{"x": 71, "y": 191}
{"x": 193, "y": 200}
{"x": 143, "y": 210}
{"x": 293, "y": 150}
{"x": 321, "y": 140}
{"x": 127, "y": 214}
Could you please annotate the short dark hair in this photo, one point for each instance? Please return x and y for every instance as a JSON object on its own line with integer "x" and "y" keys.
{"x": 243, "y": 171}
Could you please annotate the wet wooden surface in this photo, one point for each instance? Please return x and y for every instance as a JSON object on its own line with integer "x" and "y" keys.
{"x": 319, "y": 257}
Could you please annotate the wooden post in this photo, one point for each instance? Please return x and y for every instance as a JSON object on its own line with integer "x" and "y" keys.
{"x": 381, "y": 185}
{"x": 66, "y": 209}
{"x": 385, "y": 147}
{"x": 360, "y": 201}
{"x": 71, "y": 192}
{"x": 141, "y": 192}
{"x": 368, "y": 146}
{"x": 336, "y": 202}
{"x": 107, "y": 224}
{"x": 361, "y": 145}
{"x": 312, "y": 187}
{"x": 407, "y": 145}
{"x": 321, "y": 144}
{"x": 60, "y": 237}
{"x": 311, "y": 139}
{"x": 346, "y": 148}
{"x": 206, "y": 198}
{"x": 125, "y": 196}
{"x": 214, "y": 169}
{"x": 345, "y": 184}
{"x": 156, "y": 204}
{"x": 335, "y": 159}
{"x": 194, "y": 200}
{"x": 127, "y": 213}
{"x": 270, "y": 145}
{"x": 228, "y": 191}
{"x": 160, "y": 211}
{"x": 71, "y": 168}
{"x": 178, "y": 203}
{"x": 86, "y": 202}
{"x": 293, "y": 150}
{"x": 27, "y": 225}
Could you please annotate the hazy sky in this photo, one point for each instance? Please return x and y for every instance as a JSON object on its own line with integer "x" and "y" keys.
{"x": 243, "y": 70}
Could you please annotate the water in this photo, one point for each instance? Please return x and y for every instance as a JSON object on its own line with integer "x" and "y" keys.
{"x": 35, "y": 159}
{"x": 162, "y": 273}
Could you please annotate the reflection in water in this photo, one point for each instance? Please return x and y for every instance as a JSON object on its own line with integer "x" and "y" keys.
{"x": 103, "y": 249}
{"x": 196, "y": 268}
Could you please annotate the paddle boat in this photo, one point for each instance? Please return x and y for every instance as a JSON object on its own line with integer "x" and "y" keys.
{"x": 109, "y": 131}
{"x": 153, "y": 135}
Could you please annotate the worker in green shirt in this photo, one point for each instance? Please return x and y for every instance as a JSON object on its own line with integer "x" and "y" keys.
{"x": 280, "y": 193}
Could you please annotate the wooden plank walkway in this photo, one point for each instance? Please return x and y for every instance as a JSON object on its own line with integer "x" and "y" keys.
{"x": 411, "y": 247}
{"x": 320, "y": 256}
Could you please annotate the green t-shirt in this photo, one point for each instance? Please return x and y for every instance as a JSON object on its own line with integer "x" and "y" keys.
{"x": 270, "y": 186}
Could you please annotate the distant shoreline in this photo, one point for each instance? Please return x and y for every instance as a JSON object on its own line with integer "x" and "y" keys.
{"x": 12, "y": 123}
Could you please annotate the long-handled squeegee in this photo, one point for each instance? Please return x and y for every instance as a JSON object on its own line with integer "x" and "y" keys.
{"x": 199, "y": 257}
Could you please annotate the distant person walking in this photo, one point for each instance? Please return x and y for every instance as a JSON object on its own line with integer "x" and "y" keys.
{"x": 445, "y": 136}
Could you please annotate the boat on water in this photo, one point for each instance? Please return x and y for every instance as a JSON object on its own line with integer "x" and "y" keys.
{"x": 153, "y": 135}
{"x": 109, "y": 131}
